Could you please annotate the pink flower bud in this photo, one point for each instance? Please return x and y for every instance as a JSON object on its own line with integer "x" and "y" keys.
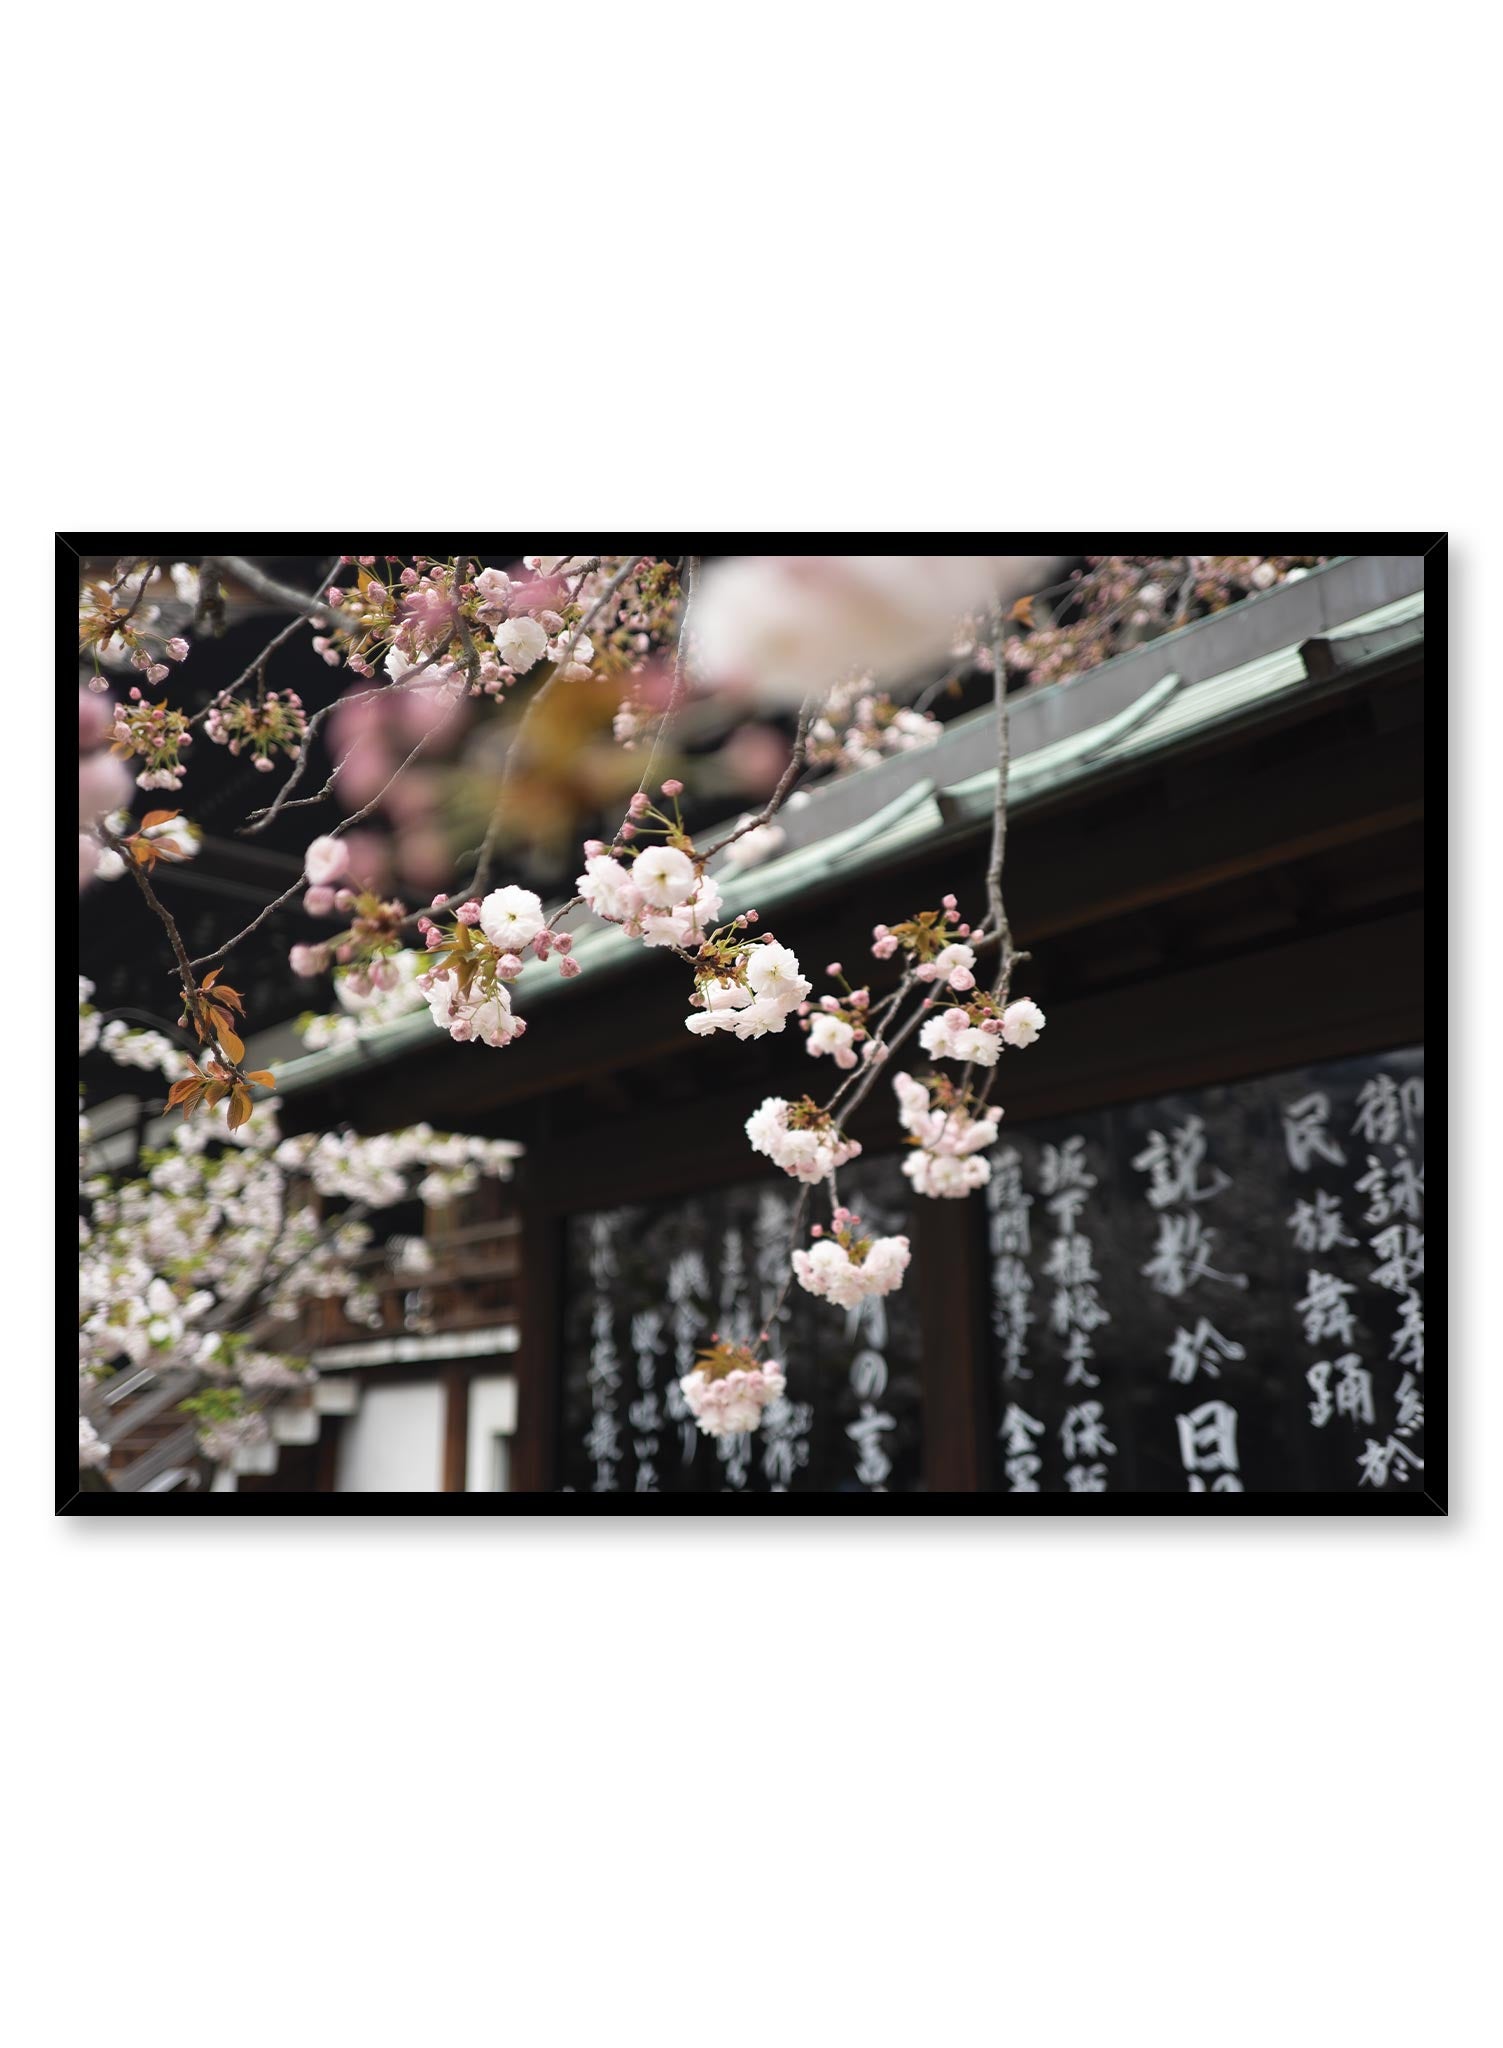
{"x": 567, "y": 966}
{"x": 334, "y": 595}
{"x": 926, "y": 971}
{"x": 833, "y": 968}
{"x": 593, "y": 847}
{"x": 628, "y": 831}
{"x": 177, "y": 647}
{"x": 564, "y": 941}
{"x": 818, "y": 1230}
{"x": 949, "y": 902}
{"x": 962, "y": 978}
{"x": 965, "y": 931}
{"x": 879, "y": 931}
{"x": 638, "y": 804}
{"x": 754, "y": 917}
{"x": 319, "y": 901}
{"x": 673, "y": 787}
{"x": 509, "y": 966}
{"x": 860, "y": 998}
{"x": 469, "y": 913}
{"x": 885, "y": 948}
{"x": 158, "y": 672}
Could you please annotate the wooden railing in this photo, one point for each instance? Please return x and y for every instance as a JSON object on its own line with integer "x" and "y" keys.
{"x": 469, "y": 1284}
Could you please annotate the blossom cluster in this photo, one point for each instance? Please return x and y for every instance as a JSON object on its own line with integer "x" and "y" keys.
{"x": 838, "y": 1026}
{"x": 658, "y": 894}
{"x": 156, "y": 734}
{"x": 935, "y": 943}
{"x": 368, "y": 998}
{"x": 976, "y": 1031}
{"x": 800, "y": 1137}
{"x": 948, "y": 1136}
{"x": 478, "y": 633}
{"x": 275, "y": 723}
{"x": 748, "y": 988}
{"x": 221, "y": 1230}
{"x": 485, "y": 949}
{"x": 729, "y": 1388}
{"x": 1119, "y": 601}
{"x": 118, "y": 628}
{"x": 860, "y": 726}
{"x": 844, "y": 1267}
{"x": 378, "y": 1171}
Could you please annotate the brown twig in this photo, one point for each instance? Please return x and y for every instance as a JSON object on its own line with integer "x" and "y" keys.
{"x": 256, "y": 667}
{"x": 259, "y": 820}
{"x": 785, "y": 784}
{"x": 316, "y": 608}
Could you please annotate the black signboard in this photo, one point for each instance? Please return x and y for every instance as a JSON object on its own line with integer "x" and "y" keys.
{"x": 645, "y": 1289}
{"x": 1216, "y": 1291}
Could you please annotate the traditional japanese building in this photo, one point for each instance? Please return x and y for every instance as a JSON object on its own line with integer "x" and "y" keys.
{"x": 1198, "y": 1265}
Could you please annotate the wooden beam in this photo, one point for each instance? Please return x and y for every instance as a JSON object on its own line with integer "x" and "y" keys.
{"x": 954, "y": 1350}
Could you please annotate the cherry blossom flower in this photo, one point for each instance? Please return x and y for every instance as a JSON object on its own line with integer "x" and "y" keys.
{"x": 953, "y": 963}
{"x": 665, "y": 875}
{"x": 511, "y": 918}
{"x": 607, "y": 886}
{"x": 521, "y": 643}
{"x": 326, "y": 862}
{"x": 946, "y": 1175}
{"x": 1022, "y": 1022}
{"x": 755, "y": 845}
{"x": 832, "y": 1035}
{"x": 952, "y": 1036}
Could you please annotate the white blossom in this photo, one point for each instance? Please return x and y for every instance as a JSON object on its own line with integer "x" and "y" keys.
{"x": 511, "y": 918}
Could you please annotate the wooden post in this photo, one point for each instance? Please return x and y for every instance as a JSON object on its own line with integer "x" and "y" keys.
{"x": 955, "y": 1354}
{"x": 456, "y": 1384}
{"x": 534, "y": 1448}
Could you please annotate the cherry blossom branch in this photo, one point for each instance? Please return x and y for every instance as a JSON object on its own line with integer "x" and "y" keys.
{"x": 257, "y": 667}
{"x": 335, "y": 832}
{"x": 864, "y": 1079}
{"x": 192, "y": 1002}
{"x": 784, "y": 789}
{"x": 999, "y": 930}
{"x": 315, "y": 608}
{"x": 259, "y": 820}
{"x": 795, "y": 1230}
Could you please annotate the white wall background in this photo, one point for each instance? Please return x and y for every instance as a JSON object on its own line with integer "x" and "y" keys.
{"x": 394, "y": 1441}
{"x": 493, "y": 1413}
